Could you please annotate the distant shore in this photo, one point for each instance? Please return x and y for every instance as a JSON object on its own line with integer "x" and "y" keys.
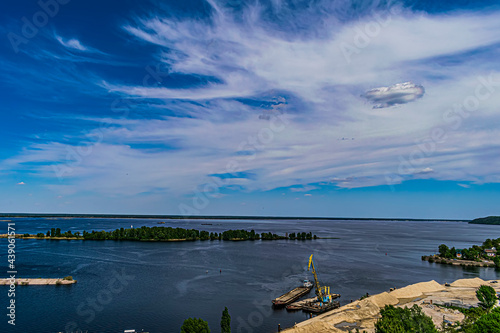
{"x": 216, "y": 217}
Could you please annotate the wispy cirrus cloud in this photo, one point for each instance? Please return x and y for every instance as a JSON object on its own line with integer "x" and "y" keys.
{"x": 75, "y": 45}
{"x": 245, "y": 64}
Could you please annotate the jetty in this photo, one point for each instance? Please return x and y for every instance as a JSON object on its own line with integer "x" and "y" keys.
{"x": 37, "y": 282}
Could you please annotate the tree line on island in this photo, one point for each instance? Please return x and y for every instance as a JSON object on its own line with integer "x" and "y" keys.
{"x": 169, "y": 233}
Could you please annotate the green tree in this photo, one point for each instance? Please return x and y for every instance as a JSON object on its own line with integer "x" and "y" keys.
{"x": 489, "y": 323}
{"x": 496, "y": 260}
{"x": 195, "y": 325}
{"x": 399, "y": 320}
{"x": 487, "y": 297}
{"x": 443, "y": 250}
{"x": 225, "y": 322}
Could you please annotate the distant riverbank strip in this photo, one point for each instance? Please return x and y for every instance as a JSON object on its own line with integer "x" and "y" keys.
{"x": 165, "y": 234}
{"x": 216, "y": 217}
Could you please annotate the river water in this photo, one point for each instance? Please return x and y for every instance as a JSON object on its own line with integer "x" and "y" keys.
{"x": 155, "y": 286}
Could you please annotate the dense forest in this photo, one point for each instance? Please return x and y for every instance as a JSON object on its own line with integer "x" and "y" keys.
{"x": 169, "y": 233}
{"x": 486, "y": 220}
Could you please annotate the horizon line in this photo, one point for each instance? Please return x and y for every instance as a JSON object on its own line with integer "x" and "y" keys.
{"x": 224, "y": 217}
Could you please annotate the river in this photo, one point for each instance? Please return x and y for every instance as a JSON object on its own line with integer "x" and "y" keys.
{"x": 155, "y": 286}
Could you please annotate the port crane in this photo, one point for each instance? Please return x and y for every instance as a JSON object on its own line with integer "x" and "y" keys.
{"x": 323, "y": 293}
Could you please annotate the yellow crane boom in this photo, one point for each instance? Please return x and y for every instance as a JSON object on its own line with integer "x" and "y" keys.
{"x": 318, "y": 290}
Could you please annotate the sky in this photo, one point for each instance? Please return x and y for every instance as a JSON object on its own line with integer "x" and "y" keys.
{"x": 270, "y": 108}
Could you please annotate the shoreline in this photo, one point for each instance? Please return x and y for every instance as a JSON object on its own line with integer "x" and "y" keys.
{"x": 363, "y": 314}
{"x": 458, "y": 262}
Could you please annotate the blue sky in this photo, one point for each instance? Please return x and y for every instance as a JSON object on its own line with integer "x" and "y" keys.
{"x": 309, "y": 108}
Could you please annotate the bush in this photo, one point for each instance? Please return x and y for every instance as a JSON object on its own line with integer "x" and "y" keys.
{"x": 195, "y": 325}
{"x": 68, "y": 278}
{"x": 396, "y": 320}
{"x": 487, "y": 323}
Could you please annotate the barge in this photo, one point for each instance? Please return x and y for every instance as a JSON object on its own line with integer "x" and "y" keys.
{"x": 293, "y": 294}
{"x": 320, "y": 307}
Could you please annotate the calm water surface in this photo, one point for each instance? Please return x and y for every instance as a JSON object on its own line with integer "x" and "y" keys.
{"x": 155, "y": 286}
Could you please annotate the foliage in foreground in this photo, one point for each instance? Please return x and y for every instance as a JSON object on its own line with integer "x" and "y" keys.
{"x": 225, "y": 322}
{"x": 488, "y": 323}
{"x": 399, "y": 320}
{"x": 487, "y": 297}
{"x": 195, "y": 325}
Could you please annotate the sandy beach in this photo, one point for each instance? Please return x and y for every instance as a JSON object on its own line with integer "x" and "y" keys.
{"x": 363, "y": 314}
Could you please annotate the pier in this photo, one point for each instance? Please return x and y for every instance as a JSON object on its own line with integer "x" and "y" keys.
{"x": 37, "y": 282}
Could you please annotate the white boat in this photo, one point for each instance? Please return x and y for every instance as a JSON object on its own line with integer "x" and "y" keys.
{"x": 307, "y": 284}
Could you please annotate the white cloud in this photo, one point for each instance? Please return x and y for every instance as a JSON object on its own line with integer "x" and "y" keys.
{"x": 305, "y": 188}
{"x": 21, "y": 183}
{"x": 400, "y": 93}
{"x": 75, "y": 44}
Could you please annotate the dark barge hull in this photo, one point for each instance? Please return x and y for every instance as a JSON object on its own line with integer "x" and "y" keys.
{"x": 313, "y": 308}
{"x": 291, "y": 296}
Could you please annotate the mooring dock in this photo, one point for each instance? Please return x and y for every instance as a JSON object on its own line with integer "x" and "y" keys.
{"x": 37, "y": 282}
{"x": 291, "y": 296}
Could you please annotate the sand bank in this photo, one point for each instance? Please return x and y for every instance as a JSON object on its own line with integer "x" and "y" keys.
{"x": 364, "y": 314}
